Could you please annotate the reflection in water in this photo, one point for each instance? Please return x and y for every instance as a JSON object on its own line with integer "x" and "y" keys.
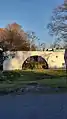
{"x": 34, "y": 106}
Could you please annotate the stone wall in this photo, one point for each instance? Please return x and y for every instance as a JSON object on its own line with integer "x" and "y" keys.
{"x": 54, "y": 59}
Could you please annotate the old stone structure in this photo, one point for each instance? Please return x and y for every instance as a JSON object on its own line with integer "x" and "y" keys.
{"x": 15, "y": 60}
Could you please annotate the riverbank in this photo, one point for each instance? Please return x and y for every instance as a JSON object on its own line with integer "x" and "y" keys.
{"x": 44, "y": 81}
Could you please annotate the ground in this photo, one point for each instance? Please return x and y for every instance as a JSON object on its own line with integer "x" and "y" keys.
{"x": 11, "y": 80}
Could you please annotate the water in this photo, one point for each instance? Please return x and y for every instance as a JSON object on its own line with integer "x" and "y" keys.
{"x": 34, "y": 106}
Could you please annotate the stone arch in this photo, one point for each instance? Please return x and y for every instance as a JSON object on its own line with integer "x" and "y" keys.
{"x": 37, "y": 58}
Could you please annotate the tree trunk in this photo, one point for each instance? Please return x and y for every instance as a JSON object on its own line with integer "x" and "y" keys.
{"x": 65, "y": 58}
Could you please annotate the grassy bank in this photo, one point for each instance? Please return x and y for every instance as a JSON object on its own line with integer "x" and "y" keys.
{"x": 16, "y": 79}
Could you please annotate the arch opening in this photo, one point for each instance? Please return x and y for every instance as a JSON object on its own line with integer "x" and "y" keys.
{"x": 35, "y": 62}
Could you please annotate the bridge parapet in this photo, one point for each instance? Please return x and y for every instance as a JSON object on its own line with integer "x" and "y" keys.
{"x": 54, "y": 59}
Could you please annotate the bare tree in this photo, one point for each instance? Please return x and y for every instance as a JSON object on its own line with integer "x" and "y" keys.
{"x": 43, "y": 46}
{"x": 32, "y": 39}
{"x": 58, "y": 25}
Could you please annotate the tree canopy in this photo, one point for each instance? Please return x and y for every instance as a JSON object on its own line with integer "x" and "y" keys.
{"x": 13, "y": 37}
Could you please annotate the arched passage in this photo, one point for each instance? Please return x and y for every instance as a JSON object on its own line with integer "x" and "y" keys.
{"x": 35, "y": 62}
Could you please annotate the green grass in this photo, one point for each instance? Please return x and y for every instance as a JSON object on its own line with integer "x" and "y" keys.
{"x": 14, "y": 79}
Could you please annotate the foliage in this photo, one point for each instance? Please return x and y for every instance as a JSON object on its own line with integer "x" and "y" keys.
{"x": 15, "y": 38}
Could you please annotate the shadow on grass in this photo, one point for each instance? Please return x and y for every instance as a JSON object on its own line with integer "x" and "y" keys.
{"x": 31, "y": 75}
{"x": 11, "y": 80}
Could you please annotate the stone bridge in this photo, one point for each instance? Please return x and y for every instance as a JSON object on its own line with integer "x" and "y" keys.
{"x": 15, "y": 60}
